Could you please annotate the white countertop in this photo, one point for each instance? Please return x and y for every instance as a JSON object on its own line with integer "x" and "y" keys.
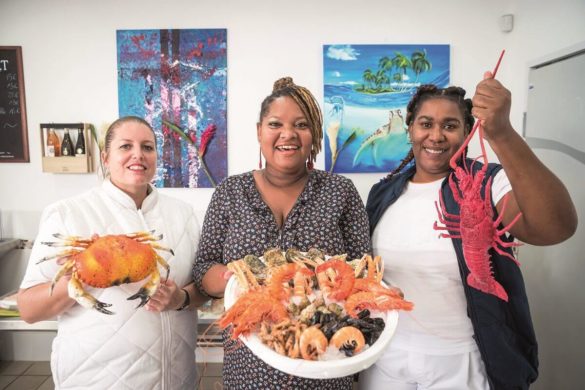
{"x": 8, "y": 244}
{"x": 16, "y": 323}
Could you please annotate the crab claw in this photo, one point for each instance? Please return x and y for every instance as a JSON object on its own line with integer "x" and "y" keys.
{"x": 148, "y": 289}
{"x": 100, "y": 306}
{"x": 143, "y": 295}
{"x": 85, "y": 299}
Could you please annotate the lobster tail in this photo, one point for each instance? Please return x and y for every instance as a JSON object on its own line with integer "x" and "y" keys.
{"x": 488, "y": 286}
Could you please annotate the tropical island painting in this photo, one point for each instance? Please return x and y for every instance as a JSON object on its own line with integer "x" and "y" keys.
{"x": 177, "y": 81}
{"x": 366, "y": 90}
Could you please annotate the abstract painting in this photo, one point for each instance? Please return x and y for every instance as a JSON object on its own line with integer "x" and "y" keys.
{"x": 366, "y": 90}
{"x": 177, "y": 81}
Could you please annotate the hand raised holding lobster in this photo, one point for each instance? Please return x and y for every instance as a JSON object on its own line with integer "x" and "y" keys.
{"x": 491, "y": 107}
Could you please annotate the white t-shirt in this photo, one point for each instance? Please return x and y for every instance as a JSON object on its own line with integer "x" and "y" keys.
{"x": 425, "y": 267}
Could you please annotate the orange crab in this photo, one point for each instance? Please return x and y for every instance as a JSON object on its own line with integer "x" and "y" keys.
{"x": 109, "y": 261}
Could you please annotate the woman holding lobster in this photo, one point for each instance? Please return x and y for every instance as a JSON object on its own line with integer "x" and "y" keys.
{"x": 125, "y": 347}
{"x": 471, "y": 326}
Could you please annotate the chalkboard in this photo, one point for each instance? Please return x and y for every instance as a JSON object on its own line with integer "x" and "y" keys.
{"x": 13, "y": 129}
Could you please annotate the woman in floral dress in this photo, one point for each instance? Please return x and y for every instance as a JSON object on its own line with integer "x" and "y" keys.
{"x": 288, "y": 204}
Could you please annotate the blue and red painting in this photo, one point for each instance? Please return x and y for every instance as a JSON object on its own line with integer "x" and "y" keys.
{"x": 177, "y": 81}
{"x": 366, "y": 90}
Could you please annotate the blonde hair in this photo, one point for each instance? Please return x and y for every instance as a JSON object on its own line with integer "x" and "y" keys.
{"x": 109, "y": 135}
{"x": 105, "y": 141}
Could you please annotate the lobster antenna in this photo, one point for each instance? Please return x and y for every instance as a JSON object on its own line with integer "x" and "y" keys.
{"x": 498, "y": 64}
{"x": 477, "y": 124}
{"x": 483, "y": 153}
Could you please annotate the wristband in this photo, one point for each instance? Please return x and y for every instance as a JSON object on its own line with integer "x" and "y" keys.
{"x": 186, "y": 302}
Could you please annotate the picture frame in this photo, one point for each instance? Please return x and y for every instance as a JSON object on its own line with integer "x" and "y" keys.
{"x": 13, "y": 123}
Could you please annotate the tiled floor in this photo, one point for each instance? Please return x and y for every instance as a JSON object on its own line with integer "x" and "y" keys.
{"x": 25, "y": 376}
{"x": 37, "y": 376}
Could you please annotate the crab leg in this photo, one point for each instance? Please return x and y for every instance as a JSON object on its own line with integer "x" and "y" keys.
{"x": 74, "y": 241}
{"x": 244, "y": 275}
{"x": 148, "y": 289}
{"x": 62, "y": 255}
{"x": 165, "y": 265}
{"x": 85, "y": 299}
{"x": 139, "y": 235}
{"x": 68, "y": 266}
{"x": 162, "y": 248}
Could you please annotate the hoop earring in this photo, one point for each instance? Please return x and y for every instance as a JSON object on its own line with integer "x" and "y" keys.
{"x": 260, "y": 158}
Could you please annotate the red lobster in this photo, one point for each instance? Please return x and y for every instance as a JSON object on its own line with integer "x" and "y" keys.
{"x": 475, "y": 225}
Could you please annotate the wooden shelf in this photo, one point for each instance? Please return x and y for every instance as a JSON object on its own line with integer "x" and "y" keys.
{"x": 68, "y": 164}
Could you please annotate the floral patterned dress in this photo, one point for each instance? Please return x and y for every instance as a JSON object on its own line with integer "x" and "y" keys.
{"x": 329, "y": 215}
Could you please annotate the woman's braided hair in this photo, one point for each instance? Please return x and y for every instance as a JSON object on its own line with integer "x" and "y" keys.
{"x": 306, "y": 101}
{"x": 430, "y": 91}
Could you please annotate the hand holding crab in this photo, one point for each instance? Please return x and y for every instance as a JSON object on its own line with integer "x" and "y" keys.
{"x": 168, "y": 296}
{"x": 108, "y": 261}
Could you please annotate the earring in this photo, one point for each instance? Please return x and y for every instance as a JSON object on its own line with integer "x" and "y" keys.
{"x": 260, "y": 159}
{"x": 310, "y": 165}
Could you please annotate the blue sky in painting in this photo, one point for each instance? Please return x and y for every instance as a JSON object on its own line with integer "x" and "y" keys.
{"x": 345, "y": 64}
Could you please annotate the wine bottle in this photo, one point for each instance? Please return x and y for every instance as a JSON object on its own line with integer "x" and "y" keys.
{"x": 67, "y": 145}
{"x": 80, "y": 143}
{"x": 53, "y": 144}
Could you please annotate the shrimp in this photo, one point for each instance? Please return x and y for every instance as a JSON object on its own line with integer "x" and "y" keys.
{"x": 303, "y": 282}
{"x": 369, "y": 300}
{"x": 250, "y": 310}
{"x": 375, "y": 287}
{"x": 348, "y": 339}
{"x": 278, "y": 277}
{"x": 339, "y": 287}
{"x": 313, "y": 343}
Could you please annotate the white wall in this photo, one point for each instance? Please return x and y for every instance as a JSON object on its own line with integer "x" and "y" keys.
{"x": 69, "y": 52}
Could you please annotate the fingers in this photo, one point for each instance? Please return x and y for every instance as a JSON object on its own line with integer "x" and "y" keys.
{"x": 166, "y": 297}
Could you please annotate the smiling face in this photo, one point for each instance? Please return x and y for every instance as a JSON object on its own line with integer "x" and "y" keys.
{"x": 437, "y": 132}
{"x": 285, "y": 136}
{"x": 131, "y": 157}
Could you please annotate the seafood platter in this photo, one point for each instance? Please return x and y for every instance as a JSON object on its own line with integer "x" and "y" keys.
{"x": 312, "y": 315}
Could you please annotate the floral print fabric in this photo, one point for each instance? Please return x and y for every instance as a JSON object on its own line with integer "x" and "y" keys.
{"x": 329, "y": 215}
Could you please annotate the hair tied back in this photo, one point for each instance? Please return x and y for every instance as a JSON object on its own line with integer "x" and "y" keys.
{"x": 282, "y": 83}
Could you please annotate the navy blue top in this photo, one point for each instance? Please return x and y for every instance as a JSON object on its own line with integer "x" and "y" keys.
{"x": 503, "y": 330}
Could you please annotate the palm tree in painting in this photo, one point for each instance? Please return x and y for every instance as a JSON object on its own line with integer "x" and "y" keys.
{"x": 385, "y": 64}
{"x": 380, "y": 79}
{"x": 420, "y": 62}
{"x": 401, "y": 61}
{"x": 368, "y": 77}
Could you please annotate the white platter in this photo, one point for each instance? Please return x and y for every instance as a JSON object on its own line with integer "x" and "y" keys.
{"x": 314, "y": 369}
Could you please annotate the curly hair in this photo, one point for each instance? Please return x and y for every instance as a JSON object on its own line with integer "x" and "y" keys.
{"x": 307, "y": 103}
{"x": 427, "y": 92}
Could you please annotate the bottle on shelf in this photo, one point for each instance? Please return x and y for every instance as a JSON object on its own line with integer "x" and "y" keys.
{"x": 53, "y": 144}
{"x": 80, "y": 143}
{"x": 67, "y": 145}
